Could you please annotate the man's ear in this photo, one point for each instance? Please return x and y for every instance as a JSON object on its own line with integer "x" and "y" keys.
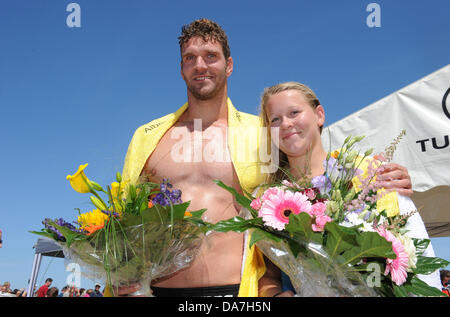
{"x": 229, "y": 68}
{"x": 181, "y": 70}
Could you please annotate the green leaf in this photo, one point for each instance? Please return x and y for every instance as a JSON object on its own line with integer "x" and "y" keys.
{"x": 198, "y": 213}
{"x": 299, "y": 226}
{"x": 400, "y": 291}
{"x": 44, "y": 234}
{"x": 259, "y": 234}
{"x": 420, "y": 288}
{"x": 68, "y": 234}
{"x": 237, "y": 224}
{"x": 301, "y": 233}
{"x": 427, "y": 265}
{"x": 179, "y": 210}
{"x": 339, "y": 238}
{"x": 421, "y": 245}
{"x": 241, "y": 199}
{"x": 370, "y": 244}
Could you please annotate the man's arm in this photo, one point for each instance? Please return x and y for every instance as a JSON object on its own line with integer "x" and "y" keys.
{"x": 396, "y": 177}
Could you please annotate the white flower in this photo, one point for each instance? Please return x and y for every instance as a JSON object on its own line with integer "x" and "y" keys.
{"x": 354, "y": 219}
{"x": 410, "y": 249}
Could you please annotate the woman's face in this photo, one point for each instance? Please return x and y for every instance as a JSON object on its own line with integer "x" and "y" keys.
{"x": 297, "y": 121}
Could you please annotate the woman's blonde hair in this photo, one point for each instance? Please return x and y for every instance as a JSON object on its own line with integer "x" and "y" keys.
{"x": 268, "y": 92}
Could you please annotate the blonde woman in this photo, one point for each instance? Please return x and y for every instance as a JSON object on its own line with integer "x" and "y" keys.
{"x": 296, "y": 112}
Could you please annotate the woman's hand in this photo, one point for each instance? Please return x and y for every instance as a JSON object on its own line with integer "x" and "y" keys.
{"x": 285, "y": 294}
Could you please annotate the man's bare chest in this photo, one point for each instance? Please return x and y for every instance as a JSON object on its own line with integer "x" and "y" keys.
{"x": 189, "y": 154}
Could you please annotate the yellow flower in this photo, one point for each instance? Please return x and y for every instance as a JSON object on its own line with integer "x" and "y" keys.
{"x": 117, "y": 194}
{"x": 335, "y": 154}
{"x": 79, "y": 179}
{"x": 93, "y": 218}
{"x": 117, "y": 189}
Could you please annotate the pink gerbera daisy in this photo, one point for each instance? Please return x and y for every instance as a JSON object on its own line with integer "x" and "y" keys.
{"x": 277, "y": 207}
{"x": 398, "y": 266}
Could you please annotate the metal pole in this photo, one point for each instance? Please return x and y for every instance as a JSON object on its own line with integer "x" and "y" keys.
{"x": 34, "y": 273}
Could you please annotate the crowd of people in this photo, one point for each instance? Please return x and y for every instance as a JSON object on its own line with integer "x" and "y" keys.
{"x": 445, "y": 280}
{"x": 47, "y": 290}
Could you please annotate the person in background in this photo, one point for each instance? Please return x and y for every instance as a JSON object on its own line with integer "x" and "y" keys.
{"x": 64, "y": 291}
{"x": 445, "y": 281}
{"x": 74, "y": 292}
{"x": 52, "y": 292}
{"x": 5, "y": 288}
{"x": 22, "y": 293}
{"x": 42, "y": 291}
{"x": 96, "y": 292}
{"x": 83, "y": 292}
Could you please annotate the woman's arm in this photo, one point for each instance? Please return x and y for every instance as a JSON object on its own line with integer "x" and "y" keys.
{"x": 270, "y": 284}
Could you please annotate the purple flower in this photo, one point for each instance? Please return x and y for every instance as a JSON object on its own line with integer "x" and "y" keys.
{"x": 109, "y": 213}
{"x": 166, "y": 196}
{"x": 59, "y": 235}
{"x": 332, "y": 168}
{"x": 62, "y": 223}
{"x": 323, "y": 183}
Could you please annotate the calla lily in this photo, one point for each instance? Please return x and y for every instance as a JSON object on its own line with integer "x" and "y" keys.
{"x": 117, "y": 189}
{"x": 79, "y": 181}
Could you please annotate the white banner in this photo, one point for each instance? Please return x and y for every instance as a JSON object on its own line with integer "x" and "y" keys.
{"x": 423, "y": 110}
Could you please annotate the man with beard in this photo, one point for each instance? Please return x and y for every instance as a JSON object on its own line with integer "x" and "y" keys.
{"x": 203, "y": 141}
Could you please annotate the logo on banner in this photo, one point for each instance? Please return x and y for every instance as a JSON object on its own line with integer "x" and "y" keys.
{"x": 444, "y": 103}
{"x": 437, "y": 144}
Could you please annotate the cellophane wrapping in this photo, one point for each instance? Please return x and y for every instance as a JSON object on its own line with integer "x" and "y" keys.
{"x": 136, "y": 254}
{"x": 313, "y": 274}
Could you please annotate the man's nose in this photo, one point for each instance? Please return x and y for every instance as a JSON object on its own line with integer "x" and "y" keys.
{"x": 200, "y": 64}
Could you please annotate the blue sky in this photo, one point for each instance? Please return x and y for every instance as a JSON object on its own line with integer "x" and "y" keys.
{"x": 71, "y": 96}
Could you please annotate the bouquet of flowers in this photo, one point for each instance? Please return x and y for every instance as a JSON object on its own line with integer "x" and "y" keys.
{"x": 136, "y": 234}
{"x": 331, "y": 235}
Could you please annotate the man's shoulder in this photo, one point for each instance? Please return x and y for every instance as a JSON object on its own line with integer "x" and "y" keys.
{"x": 154, "y": 123}
{"x": 249, "y": 115}
{"x": 249, "y": 118}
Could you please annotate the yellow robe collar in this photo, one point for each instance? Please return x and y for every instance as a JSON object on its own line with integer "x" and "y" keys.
{"x": 240, "y": 141}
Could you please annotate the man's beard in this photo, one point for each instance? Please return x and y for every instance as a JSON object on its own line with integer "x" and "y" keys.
{"x": 198, "y": 94}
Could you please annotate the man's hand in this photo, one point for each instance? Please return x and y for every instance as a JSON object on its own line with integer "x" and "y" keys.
{"x": 127, "y": 291}
{"x": 396, "y": 177}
